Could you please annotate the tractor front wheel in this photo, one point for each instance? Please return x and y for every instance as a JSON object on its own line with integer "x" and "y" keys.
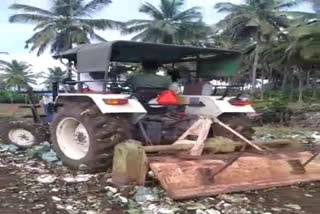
{"x": 25, "y": 134}
{"x": 82, "y": 135}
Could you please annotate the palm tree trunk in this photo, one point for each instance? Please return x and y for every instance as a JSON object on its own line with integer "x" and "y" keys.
{"x": 300, "y": 87}
{"x": 314, "y": 89}
{"x": 254, "y": 70}
{"x": 262, "y": 85}
{"x": 270, "y": 80}
{"x": 291, "y": 86}
{"x": 284, "y": 80}
{"x": 308, "y": 79}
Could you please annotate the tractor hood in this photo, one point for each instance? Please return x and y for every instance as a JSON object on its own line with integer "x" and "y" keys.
{"x": 96, "y": 57}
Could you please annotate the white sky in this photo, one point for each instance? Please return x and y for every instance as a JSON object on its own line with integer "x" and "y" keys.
{"x": 13, "y": 36}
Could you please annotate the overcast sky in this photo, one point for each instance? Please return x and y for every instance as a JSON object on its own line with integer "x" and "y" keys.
{"x": 13, "y": 36}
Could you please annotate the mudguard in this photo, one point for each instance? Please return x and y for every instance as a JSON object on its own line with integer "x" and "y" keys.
{"x": 133, "y": 105}
{"x": 214, "y": 106}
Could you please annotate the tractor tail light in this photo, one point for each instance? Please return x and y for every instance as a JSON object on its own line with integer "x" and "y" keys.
{"x": 116, "y": 101}
{"x": 237, "y": 102}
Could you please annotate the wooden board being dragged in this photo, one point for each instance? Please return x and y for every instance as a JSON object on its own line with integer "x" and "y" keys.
{"x": 185, "y": 179}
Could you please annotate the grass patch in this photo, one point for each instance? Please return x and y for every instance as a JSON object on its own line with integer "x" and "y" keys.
{"x": 282, "y": 131}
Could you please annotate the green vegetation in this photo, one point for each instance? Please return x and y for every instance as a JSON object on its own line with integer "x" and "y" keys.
{"x": 279, "y": 46}
{"x": 16, "y": 75}
{"x": 67, "y": 22}
{"x": 168, "y": 24}
{"x": 55, "y": 74}
{"x": 16, "y": 97}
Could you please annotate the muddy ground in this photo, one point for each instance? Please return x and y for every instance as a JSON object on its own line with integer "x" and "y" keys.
{"x": 30, "y": 185}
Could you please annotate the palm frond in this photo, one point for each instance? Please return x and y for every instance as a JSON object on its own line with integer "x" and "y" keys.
{"x": 32, "y": 9}
{"x": 29, "y": 18}
{"x": 228, "y": 7}
{"x": 137, "y": 22}
{"x": 151, "y": 10}
{"x": 98, "y": 37}
{"x": 192, "y": 14}
{"x": 287, "y": 4}
{"x": 102, "y": 24}
{"x": 95, "y": 5}
{"x": 4, "y": 63}
{"x": 135, "y": 28}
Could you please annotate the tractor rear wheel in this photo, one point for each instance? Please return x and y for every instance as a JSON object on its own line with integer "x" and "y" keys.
{"x": 82, "y": 135}
{"x": 238, "y": 122}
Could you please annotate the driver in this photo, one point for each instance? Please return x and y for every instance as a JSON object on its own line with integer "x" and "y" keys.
{"x": 148, "y": 77}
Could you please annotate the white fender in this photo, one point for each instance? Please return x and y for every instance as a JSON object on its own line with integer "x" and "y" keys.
{"x": 133, "y": 105}
{"x": 215, "y": 107}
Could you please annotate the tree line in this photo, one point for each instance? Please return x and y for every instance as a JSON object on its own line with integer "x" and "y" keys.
{"x": 280, "y": 47}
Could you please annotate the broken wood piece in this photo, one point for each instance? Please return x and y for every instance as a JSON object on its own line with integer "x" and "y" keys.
{"x": 216, "y": 120}
{"x": 201, "y": 129}
{"x": 130, "y": 163}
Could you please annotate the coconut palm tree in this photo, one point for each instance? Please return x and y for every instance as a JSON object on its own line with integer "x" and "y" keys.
{"x": 54, "y": 74}
{"x": 65, "y": 23}
{"x": 255, "y": 19}
{"x": 168, "y": 23}
{"x": 296, "y": 49}
{"x": 16, "y": 74}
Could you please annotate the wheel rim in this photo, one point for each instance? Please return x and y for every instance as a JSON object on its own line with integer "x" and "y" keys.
{"x": 73, "y": 138}
{"x": 21, "y": 137}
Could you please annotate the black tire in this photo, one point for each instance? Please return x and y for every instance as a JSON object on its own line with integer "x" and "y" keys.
{"x": 238, "y": 122}
{"x": 104, "y": 130}
{"x": 39, "y": 132}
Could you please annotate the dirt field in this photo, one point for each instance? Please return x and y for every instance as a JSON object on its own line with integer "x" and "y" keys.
{"x": 22, "y": 192}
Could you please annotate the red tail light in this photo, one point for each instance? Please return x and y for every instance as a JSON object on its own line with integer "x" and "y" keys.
{"x": 116, "y": 101}
{"x": 240, "y": 102}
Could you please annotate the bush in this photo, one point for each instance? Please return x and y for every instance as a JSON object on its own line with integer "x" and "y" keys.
{"x": 273, "y": 109}
{"x": 16, "y": 97}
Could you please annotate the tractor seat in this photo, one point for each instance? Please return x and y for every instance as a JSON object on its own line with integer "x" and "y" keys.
{"x": 145, "y": 94}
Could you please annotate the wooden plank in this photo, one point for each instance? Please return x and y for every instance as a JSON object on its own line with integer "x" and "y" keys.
{"x": 201, "y": 129}
{"x": 185, "y": 145}
{"x": 184, "y": 179}
{"x": 216, "y": 120}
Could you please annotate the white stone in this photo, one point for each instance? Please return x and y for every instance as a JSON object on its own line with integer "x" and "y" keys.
{"x": 55, "y": 198}
{"x": 123, "y": 199}
{"x": 293, "y": 206}
{"x": 46, "y": 178}
{"x": 111, "y": 189}
{"x": 213, "y": 211}
{"x": 82, "y": 178}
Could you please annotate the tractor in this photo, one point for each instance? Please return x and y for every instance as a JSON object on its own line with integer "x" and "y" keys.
{"x": 99, "y": 109}
{"x": 102, "y": 119}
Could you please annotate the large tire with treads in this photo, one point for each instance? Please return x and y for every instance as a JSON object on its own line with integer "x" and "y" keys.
{"x": 239, "y": 122}
{"x": 25, "y": 134}
{"x": 82, "y": 135}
